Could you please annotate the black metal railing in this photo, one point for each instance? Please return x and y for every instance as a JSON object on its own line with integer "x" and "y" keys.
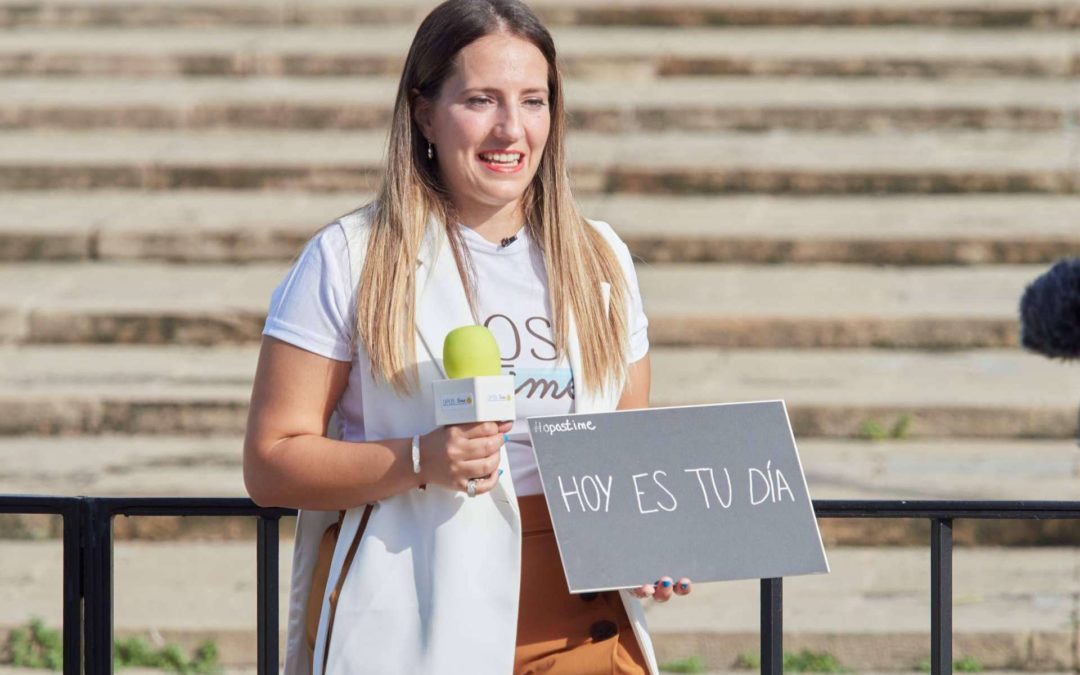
{"x": 88, "y": 578}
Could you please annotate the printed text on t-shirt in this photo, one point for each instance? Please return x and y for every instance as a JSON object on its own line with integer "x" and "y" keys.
{"x": 534, "y": 343}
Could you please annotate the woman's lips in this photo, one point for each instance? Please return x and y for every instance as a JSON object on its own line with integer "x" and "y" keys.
{"x": 503, "y": 167}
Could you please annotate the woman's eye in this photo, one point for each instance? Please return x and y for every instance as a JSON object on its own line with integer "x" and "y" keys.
{"x": 479, "y": 100}
{"x": 536, "y": 103}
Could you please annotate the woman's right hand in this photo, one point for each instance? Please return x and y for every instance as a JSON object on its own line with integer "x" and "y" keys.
{"x": 452, "y": 454}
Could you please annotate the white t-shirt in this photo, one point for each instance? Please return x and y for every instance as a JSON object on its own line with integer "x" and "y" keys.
{"x": 512, "y": 300}
{"x": 314, "y": 308}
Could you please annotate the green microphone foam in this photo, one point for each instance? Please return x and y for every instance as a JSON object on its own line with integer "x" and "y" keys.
{"x": 471, "y": 351}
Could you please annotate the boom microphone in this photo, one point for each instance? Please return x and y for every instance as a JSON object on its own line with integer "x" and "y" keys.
{"x": 1050, "y": 312}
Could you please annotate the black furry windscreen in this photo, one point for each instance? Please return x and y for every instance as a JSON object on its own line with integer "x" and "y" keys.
{"x": 1050, "y": 312}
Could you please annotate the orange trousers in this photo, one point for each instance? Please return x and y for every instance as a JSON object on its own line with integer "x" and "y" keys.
{"x": 558, "y": 632}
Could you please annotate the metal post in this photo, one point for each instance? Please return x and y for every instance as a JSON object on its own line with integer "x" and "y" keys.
{"x": 267, "y": 562}
{"x": 98, "y": 587}
{"x": 772, "y": 626}
{"x": 73, "y": 589}
{"x": 941, "y": 544}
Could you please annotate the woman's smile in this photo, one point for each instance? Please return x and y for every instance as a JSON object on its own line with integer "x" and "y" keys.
{"x": 502, "y": 162}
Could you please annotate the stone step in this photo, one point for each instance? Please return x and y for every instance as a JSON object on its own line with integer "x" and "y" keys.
{"x": 146, "y": 466}
{"x": 664, "y": 163}
{"x": 611, "y": 52}
{"x": 684, "y": 13}
{"x": 218, "y": 227}
{"x": 742, "y": 306}
{"x": 1007, "y": 611}
{"x": 1013, "y": 609}
{"x": 145, "y": 389}
{"x": 689, "y": 304}
{"x": 187, "y": 466}
{"x": 159, "y": 466}
{"x": 696, "y": 104}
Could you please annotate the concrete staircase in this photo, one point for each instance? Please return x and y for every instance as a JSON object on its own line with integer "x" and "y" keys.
{"x": 834, "y": 203}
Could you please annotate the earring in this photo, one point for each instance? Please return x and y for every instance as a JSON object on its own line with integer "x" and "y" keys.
{"x": 430, "y": 150}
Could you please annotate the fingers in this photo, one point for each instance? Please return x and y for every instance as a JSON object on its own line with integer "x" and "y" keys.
{"x": 464, "y": 451}
{"x": 472, "y": 444}
{"x": 663, "y": 589}
{"x": 485, "y": 484}
{"x": 467, "y": 449}
{"x": 482, "y": 448}
{"x": 479, "y": 467}
{"x": 683, "y": 586}
{"x": 481, "y": 429}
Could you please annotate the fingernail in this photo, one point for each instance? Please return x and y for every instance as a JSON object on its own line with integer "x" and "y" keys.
{"x": 656, "y": 583}
{"x": 500, "y": 473}
{"x": 667, "y": 583}
{"x": 506, "y": 438}
{"x": 684, "y": 586}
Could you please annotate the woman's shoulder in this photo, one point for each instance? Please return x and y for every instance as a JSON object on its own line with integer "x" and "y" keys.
{"x": 349, "y": 234}
{"x": 605, "y": 228}
{"x": 356, "y": 224}
{"x": 621, "y": 250}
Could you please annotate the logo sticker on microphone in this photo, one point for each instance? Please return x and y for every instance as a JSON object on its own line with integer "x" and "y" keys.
{"x": 456, "y": 401}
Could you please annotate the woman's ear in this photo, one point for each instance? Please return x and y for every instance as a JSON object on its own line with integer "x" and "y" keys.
{"x": 422, "y": 113}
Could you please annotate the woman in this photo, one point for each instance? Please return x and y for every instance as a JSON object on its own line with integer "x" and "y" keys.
{"x": 445, "y": 561}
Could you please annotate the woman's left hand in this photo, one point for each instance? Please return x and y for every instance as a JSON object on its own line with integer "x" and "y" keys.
{"x": 663, "y": 588}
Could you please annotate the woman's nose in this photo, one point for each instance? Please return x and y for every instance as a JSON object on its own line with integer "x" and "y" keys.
{"x": 509, "y": 125}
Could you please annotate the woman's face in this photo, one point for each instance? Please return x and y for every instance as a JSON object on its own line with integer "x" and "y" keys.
{"x": 489, "y": 124}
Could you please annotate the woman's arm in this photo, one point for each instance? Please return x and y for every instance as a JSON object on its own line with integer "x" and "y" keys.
{"x": 289, "y": 462}
{"x": 638, "y": 382}
{"x": 287, "y": 459}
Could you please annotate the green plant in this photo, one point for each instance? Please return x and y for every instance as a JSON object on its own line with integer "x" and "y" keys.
{"x": 206, "y": 657}
{"x": 968, "y": 664}
{"x": 136, "y": 652}
{"x": 805, "y": 661}
{"x": 133, "y": 651}
{"x": 693, "y": 664}
{"x": 808, "y": 661}
{"x": 872, "y": 430}
{"x": 902, "y": 427}
{"x": 36, "y": 646}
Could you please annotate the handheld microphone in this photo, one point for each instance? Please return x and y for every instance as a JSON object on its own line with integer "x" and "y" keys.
{"x": 476, "y": 390}
{"x": 1050, "y": 312}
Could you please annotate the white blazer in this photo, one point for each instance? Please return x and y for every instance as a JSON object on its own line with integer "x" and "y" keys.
{"x": 434, "y": 583}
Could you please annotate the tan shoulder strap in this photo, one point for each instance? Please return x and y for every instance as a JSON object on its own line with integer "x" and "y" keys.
{"x": 344, "y": 572}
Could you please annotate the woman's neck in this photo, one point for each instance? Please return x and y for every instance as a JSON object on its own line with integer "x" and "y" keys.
{"x": 494, "y": 224}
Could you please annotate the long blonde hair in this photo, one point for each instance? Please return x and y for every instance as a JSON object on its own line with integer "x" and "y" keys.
{"x": 576, "y": 256}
